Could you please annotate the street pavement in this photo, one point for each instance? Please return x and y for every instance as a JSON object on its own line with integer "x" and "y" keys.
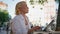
{"x": 4, "y": 32}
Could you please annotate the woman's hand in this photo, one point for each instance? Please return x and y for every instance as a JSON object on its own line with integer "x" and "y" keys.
{"x": 36, "y": 28}
{"x": 33, "y": 29}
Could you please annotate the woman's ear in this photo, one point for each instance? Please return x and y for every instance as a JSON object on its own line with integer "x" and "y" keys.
{"x": 18, "y": 9}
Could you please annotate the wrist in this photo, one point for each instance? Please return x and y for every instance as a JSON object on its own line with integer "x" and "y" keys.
{"x": 33, "y": 29}
{"x": 30, "y": 30}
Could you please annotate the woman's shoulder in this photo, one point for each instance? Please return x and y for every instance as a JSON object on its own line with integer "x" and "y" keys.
{"x": 14, "y": 19}
{"x": 17, "y": 17}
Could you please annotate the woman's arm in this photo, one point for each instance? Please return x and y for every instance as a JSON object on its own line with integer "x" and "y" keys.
{"x": 30, "y": 31}
{"x": 33, "y": 29}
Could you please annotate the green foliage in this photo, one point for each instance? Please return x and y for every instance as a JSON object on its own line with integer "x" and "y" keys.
{"x": 39, "y": 2}
{"x": 31, "y": 2}
{"x": 57, "y": 1}
{"x": 42, "y": 1}
{"x": 4, "y": 16}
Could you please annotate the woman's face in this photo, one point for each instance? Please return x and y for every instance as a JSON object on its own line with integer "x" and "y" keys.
{"x": 24, "y": 8}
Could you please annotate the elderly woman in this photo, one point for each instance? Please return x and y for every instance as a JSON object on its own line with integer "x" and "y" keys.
{"x": 20, "y": 23}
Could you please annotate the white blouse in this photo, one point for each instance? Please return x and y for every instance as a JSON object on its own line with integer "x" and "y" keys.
{"x": 18, "y": 25}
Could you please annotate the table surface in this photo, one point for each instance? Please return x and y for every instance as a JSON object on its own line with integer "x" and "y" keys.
{"x": 42, "y": 32}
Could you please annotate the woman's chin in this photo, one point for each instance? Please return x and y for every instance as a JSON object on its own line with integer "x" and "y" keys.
{"x": 26, "y": 12}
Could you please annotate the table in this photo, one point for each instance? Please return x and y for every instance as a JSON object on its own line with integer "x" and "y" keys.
{"x": 41, "y": 32}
